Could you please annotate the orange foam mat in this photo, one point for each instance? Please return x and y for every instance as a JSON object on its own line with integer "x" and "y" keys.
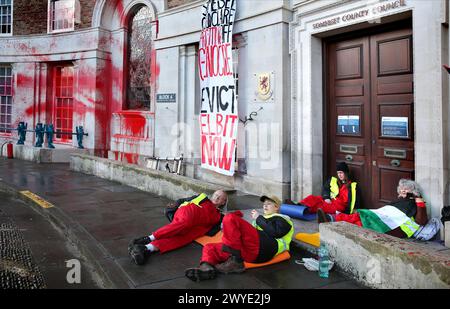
{"x": 283, "y": 256}
{"x": 210, "y": 239}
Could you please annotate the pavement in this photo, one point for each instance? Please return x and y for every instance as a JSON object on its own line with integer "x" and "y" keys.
{"x": 92, "y": 220}
{"x": 34, "y": 253}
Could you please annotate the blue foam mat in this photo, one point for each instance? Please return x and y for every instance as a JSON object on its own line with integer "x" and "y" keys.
{"x": 297, "y": 211}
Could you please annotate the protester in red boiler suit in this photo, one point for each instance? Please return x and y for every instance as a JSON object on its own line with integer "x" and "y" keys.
{"x": 339, "y": 194}
{"x": 193, "y": 218}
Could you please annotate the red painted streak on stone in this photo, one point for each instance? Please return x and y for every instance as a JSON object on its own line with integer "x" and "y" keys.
{"x": 131, "y": 158}
{"x": 134, "y": 124}
{"x": 120, "y": 9}
{"x": 155, "y": 70}
{"x": 24, "y": 81}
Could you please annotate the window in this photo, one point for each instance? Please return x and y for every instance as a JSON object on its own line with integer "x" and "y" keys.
{"x": 5, "y": 98}
{"x": 63, "y": 103}
{"x": 6, "y": 17}
{"x": 62, "y": 15}
{"x": 139, "y": 60}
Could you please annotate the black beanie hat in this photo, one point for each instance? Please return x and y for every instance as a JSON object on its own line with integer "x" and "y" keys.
{"x": 343, "y": 167}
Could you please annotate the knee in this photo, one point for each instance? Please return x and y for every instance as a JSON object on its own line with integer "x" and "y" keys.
{"x": 230, "y": 219}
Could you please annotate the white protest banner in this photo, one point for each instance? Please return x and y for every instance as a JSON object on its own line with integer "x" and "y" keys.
{"x": 218, "y": 116}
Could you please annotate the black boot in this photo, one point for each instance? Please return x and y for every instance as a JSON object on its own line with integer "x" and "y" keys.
{"x": 139, "y": 241}
{"x": 138, "y": 254}
{"x": 204, "y": 272}
{"x": 322, "y": 217}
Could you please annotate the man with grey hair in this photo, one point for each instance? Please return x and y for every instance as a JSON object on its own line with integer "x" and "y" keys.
{"x": 193, "y": 218}
{"x": 401, "y": 218}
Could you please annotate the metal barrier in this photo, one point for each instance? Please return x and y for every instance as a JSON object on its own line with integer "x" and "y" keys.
{"x": 176, "y": 163}
{"x": 48, "y": 130}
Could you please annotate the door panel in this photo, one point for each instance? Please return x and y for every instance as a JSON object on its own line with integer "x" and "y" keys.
{"x": 392, "y": 97}
{"x": 349, "y": 96}
{"x": 370, "y": 85}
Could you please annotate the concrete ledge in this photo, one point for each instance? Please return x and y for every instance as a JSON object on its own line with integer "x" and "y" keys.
{"x": 382, "y": 261}
{"x": 157, "y": 182}
{"x": 45, "y": 155}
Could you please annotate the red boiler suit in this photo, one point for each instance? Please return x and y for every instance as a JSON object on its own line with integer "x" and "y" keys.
{"x": 241, "y": 237}
{"x": 237, "y": 234}
{"x": 337, "y": 204}
{"x": 189, "y": 223}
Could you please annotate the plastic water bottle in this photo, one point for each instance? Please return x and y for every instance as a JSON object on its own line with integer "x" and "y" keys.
{"x": 323, "y": 261}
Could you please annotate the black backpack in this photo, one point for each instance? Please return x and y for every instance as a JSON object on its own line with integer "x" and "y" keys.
{"x": 445, "y": 214}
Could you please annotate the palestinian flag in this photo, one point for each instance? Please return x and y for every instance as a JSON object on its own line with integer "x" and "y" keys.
{"x": 384, "y": 219}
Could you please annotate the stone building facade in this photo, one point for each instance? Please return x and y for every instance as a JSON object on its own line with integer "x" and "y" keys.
{"x": 328, "y": 62}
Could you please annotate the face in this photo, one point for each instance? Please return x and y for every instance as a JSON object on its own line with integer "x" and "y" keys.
{"x": 270, "y": 207}
{"x": 219, "y": 198}
{"x": 341, "y": 175}
{"x": 403, "y": 192}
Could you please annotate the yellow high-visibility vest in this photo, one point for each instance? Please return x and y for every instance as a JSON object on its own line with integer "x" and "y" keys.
{"x": 334, "y": 191}
{"x": 196, "y": 200}
{"x": 285, "y": 241}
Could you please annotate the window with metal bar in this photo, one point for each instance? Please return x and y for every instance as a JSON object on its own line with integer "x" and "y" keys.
{"x": 139, "y": 60}
{"x": 6, "y": 17}
{"x": 61, "y": 15}
{"x": 63, "y": 103}
{"x": 5, "y": 98}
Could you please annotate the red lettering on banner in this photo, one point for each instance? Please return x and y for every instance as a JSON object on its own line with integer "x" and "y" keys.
{"x": 218, "y": 151}
{"x": 220, "y": 126}
{"x": 213, "y": 54}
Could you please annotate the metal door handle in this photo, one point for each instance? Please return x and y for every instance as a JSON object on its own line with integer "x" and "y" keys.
{"x": 395, "y": 163}
{"x": 349, "y": 158}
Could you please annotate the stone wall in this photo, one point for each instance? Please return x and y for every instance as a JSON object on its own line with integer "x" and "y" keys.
{"x": 382, "y": 261}
{"x": 158, "y": 182}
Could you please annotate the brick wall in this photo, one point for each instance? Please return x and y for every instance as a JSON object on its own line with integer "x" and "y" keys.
{"x": 87, "y": 9}
{"x": 30, "y": 17}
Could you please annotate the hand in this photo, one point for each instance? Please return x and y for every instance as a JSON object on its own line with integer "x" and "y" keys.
{"x": 255, "y": 214}
{"x": 328, "y": 201}
{"x": 171, "y": 205}
{"x": 419, "y": 200}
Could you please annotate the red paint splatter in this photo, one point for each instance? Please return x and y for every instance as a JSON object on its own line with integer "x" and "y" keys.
{"x": 155, "y": 70}
{"x": 131, "y": 158}
{"x": 24, "y": 81}
{"x": 120, "y": 10}
{"x": 134, "y": 124}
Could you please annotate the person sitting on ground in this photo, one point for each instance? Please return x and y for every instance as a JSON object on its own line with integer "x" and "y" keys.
{"x": 339, "y": 194}
{"x": 192, "y": 219}
{"x": 269, "y": 236}
{"x": 401, "y": 218}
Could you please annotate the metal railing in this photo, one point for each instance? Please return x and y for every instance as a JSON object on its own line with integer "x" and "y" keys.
{"x": 47, "y": 130}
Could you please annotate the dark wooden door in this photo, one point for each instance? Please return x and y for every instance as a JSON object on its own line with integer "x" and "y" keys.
{"x": 370, "y": 112}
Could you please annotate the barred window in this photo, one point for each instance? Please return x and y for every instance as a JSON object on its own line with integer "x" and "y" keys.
{"x": 139, "y": 60}
{"x": 6, "y": 17}
{"x": 62, "y": 15}
{"x": 63, "y": 103}
{"x": 5, "y": 98}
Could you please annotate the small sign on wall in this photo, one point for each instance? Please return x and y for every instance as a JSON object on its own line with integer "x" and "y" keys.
{"x": 394, "y": 127}
{"x": 348, "y": 124}
{"x": 166, "y": 98}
